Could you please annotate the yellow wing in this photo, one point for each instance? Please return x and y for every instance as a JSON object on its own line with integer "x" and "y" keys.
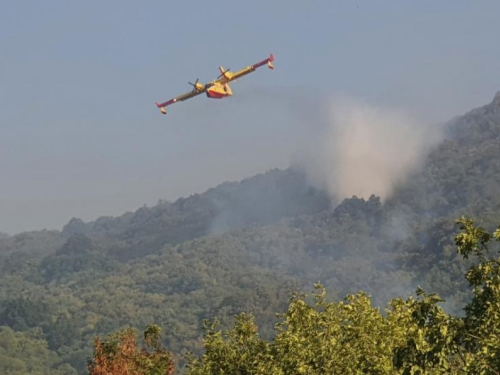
{"x": 188, "y": 95}
{"x": 198, "y": 89}
{"x": 227, "y": 76}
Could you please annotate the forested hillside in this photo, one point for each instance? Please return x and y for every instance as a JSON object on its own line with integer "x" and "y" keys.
{"x": 244, "y": 247}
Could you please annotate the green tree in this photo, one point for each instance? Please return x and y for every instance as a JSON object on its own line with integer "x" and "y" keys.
{"x": 349, "y": 337}
{"x": 27, "y": 353}
{"x": 481, "y": 336}
{"x": 414, "y": 336}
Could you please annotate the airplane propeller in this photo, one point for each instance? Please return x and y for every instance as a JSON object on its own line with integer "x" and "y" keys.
{"x": 194, "y": 84}
{"x": 225, "y": 71}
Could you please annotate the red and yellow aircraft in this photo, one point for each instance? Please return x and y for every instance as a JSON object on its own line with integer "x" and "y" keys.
{"x": 218, "y": 88}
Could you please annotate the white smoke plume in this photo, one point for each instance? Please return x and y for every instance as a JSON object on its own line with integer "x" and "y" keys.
{"x": 367, "y": 150}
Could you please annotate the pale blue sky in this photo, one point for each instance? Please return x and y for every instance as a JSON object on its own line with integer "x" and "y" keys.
{"x": 79, "y": 133}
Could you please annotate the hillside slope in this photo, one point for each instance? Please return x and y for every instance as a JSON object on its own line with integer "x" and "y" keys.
{"x": 245, "y": 246}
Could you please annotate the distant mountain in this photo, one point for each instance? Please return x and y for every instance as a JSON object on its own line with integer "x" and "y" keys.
{"x": 28, "y": 247}
{"x": 256, "y": 201}
{"x": 463, "y": 172}
{"x": 244, "y": 246}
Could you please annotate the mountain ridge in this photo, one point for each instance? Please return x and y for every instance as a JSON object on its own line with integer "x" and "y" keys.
{"x": 169, "y": 265}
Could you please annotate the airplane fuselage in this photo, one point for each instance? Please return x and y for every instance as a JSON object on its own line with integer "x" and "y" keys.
{"x": 219, "y": 90}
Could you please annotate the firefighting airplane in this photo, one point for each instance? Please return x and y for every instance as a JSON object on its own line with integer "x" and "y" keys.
{"x": 218, "y": 88}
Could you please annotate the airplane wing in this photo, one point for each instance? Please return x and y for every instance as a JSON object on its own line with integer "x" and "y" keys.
{"x": 227, "y": 76}
{"x": 181, "y": 98}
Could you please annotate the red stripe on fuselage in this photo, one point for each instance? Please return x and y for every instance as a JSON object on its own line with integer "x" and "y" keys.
{"x": 215, "y": 95}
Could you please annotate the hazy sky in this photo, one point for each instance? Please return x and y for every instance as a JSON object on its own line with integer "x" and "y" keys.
{"x": 79, "y": 132}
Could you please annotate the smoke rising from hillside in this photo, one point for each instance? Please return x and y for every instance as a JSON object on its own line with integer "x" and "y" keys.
{"x": 367, "y": 150}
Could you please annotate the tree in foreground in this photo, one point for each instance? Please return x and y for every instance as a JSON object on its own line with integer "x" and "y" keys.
{"x": 480, "y": 337}
{"x": 313, "y": 337}
{"x": 414, "y": 336}
{"x": 120, "y": 355}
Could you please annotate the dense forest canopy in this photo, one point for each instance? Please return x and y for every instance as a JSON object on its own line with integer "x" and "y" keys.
{"x": 245, "y": 247}
{"x": 412, "y": 336}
